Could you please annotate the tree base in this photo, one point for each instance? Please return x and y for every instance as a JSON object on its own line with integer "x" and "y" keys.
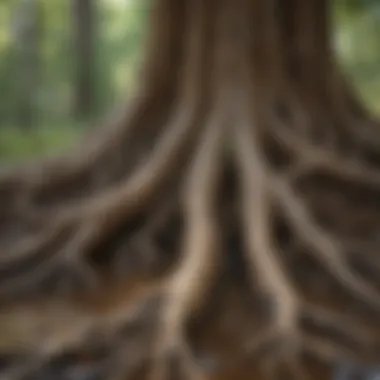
{"x": 233, "y": 211}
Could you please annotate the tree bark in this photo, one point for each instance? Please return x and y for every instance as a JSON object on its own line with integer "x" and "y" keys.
{"x": 244, "y": 141}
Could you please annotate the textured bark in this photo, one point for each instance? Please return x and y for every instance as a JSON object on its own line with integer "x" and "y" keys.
{"x": 224, "y": 226}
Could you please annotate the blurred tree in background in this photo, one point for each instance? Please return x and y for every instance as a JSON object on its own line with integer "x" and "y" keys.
{"x": 25, "y": 37}
{"x": 84, "y": 39}
{"x": 358, "y": 42}
{"x": 63, "y": 64}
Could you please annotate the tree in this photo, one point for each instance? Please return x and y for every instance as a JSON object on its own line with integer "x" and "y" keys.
{"x": 84, "y": 33}
{"x": 231, "y": 209}
{"x": 26, "y": 51}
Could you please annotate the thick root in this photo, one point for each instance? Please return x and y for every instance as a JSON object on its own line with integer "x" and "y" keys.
{"x": 197, "y": 268}
{"x": 91, "y": 221}
{"x": 264, "y": 263}
{"x": 118, "y": 205}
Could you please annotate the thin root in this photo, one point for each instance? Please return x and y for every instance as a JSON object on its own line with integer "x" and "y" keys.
{"x": 327, "y": 250}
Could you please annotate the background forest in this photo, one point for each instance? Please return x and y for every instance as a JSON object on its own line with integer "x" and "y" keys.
{"x": 65, "y": 63}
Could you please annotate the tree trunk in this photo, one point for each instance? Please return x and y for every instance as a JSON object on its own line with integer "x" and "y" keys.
{"x": 229, "y": 213}
{"x": 84, "y": 35}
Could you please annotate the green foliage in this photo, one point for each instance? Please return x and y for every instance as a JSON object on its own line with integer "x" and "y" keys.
{"x": 119, "y": 47}
{"x": 355, "y": 6}
{"x": 16, "y": 144}
{"x": 358, "y": 43}
{"x": 119, "y": 30}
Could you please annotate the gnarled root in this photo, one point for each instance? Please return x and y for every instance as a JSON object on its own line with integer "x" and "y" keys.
{"x": 92, "y": 221}
{"x": 262, "y": 190}
{"x": 77, "y": 234}
{"x": 324, "y": 247}
{"x": 263, "y": 261}
{"x": 197, "y": 268}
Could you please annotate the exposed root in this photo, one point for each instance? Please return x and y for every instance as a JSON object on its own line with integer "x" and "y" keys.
{"x": 186, "y": 290}
{"x": 340, "y": 323}
{"x": 93, "y": 220}
{"x": 83, "y": 332}
{"x": 311, "y": 158}
{"x": 263, "y": 261}
{"x": 118, "y": 205}
{"x": 213, "y": 58}
{"x": 328, "y": 251}
{"x": 364, "y": 252}
{"x": 143, "y": 242}
{"x": 327, "y": 351}
{"x": 98, "y": 217}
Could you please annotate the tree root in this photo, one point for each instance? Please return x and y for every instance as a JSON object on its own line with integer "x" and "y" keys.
{"x": 197, "y": 268}
{"x": 262, "y": 258}
{"x": 97, "y": 218}
{"x": 90, "y": 237}
{"x": 313, "y": 159}
{"x": 93, "y": 221}
{"x": 185, "y": 291}
{"x": 328, "y": 251}
{"x": 262, "y": 189}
